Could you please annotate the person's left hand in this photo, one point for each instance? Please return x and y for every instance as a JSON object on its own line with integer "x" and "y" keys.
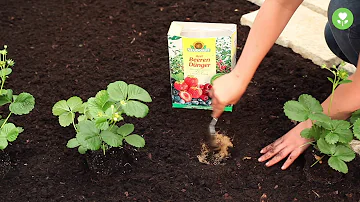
{"x": 291, "y": 145}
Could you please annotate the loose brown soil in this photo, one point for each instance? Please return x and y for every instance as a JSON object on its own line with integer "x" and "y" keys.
{"x": 65, "y": 48}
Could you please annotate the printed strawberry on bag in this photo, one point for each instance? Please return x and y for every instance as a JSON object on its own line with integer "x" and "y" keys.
{"x": 191, "y": 81}
{"x": 181, "y": 85}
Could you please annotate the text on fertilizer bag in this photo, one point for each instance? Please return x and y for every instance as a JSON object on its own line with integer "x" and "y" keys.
{"x": 199, "y": 62}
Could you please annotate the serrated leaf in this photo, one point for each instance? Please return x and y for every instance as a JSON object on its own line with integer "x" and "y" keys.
{"x": 306, "y": 133}
{"x": 65, "y": 119}
{"x": 126, "y": 129}
{"x": 118, "y": 90}
{"x": 344, "y": 153}
{"x": 310, "y": 103}
{"x": 20, "y": 129}
{"x": 354, "y": 116}
{"x": 325, "y": 125}
{"x": 325, "y": 147}
{"x": 319, "y": 116}
{"x": 88, "y": 135}
{"x": 102, "y": 97}
{"x": 331, "y": 138}
{"x": 3, "y": 143}
{"x": 345, "y": 136}
{"x": 295, "y": 111}
{"x": 135, "y": 140}
{"x": 23, "y": 104}
{"x": 136, "y": 109}
{"x": 356, "y": 129}
{"x": 74, "y": 103}
{"x": 82, "y": 118}
{"x": 10, "y": 131}
{"x": 72, "y": 143}
{"x": 102, "y": 123}
{"x": 338, "y": 164}
{"x": 95, "y": 110}
{"x": 137, "y": 93}
{"x": 340, "y": 125}
{"x": 111, "y": 139}
{"x": 60, "y": 107}
{"x": 82, "y": 150}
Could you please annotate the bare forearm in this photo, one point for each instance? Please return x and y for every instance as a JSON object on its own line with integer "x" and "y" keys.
{"x": 268, "y": 25}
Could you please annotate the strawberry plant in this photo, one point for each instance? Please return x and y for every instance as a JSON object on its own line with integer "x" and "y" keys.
{"x": 331, "y": 137}
{"x": 18, "y": 104}
{"x": 97, "y": 123}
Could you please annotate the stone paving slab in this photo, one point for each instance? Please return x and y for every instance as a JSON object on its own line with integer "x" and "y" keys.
{"x": 319, "y": 6}
{"x": 304, "y": 34}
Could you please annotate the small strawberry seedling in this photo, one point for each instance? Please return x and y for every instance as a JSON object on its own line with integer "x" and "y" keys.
{"x": 330, "y": 137}
{"x": 97, "y": 123}
{"x": 18, "y": 104}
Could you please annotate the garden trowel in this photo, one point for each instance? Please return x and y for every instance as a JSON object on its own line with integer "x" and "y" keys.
{"x": 212, "y": 132}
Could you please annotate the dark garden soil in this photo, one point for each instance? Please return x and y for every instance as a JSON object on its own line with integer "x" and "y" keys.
{"x": 77, "y": 47}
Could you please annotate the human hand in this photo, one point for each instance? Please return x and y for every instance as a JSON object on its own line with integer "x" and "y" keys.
{"x": 290, "y": 145}
{"x": 226, "y": 90}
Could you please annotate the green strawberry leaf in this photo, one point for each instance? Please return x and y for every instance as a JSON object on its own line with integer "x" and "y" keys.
{"x": 310, "y": 103}
{"x": 312, "y": 133}
{"x": 10, "y": 131}
{"x": 135, "y": 108}
{"x": 354, "y": 116}
{"x": 330, "y": 79}
{"x": 23, "y": 104}
{"x": 337, "y": 164}
{"x": 306, "y": 133}
{"x": 135, "y": 140}
{"x": 102, "y": 98}
{"x": 137, "y": 93}
{"x": 3, "y": 143}
{"x": 345, "y": 81}
{"x": 325, "y": 147}
{"x": 344, "y": 153}
{"x": 88, "y": 135}
{"x": 60, "y": 107}
{"x": 82, "y": 150}
{"x": 6, "y": 97}
{"x": 319, "y": 116}
{"x": 126, "y": 129}
{"x": 74, "y": 103}
{"x": 95, "y": 110}
{"x": 118, "y": 90}
{"x": 65, "y": 119}
{"x": 72, "y": 143}
{"x": 111, "y": 139}
{"x": 102, "y": 123}
{"x": 325, "y": 125}
{"x": 294, "y": 110}
{"x": 356, "y": 129}
{"x": 5, "y": 71}
{"x": 332, "y": 138}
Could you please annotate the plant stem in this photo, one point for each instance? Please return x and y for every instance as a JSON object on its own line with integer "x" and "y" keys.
{"x": 317, "y": 161}
{"x": 7, "y": 118}
{"x": 335, "y": 83}
{"x": 73, "y": 122}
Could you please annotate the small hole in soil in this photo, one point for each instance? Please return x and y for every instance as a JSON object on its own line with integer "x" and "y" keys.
{"x": 216, "y": 151}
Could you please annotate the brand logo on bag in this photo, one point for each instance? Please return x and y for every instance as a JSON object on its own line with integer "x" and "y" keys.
{"x": 198, "y": 46}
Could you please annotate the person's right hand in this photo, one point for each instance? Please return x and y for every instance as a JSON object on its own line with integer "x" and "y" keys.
{"x": 226, "y": 90}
